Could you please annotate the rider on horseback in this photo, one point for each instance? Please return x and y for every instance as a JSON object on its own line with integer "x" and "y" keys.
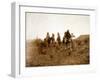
{"x": 47, "y": 39}
{"x": 67, "y": 37}
{"x": 58, "y": 39}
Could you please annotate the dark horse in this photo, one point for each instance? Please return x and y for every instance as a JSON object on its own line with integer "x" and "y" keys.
{"x": 67, "y": 39}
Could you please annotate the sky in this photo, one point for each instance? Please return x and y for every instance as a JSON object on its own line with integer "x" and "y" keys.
{"x": 38, "y": 24}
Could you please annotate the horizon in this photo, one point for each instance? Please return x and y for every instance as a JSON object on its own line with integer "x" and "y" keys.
{"x": 61, "y": 38}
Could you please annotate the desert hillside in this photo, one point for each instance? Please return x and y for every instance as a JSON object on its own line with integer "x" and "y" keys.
{"x": 37, "y": 54}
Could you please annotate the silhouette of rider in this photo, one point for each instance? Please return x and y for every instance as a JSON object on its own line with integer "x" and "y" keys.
{"x": 47, "y": 39}
{"x": 58, "y": 38}
{"x": 52, "y": 40}
{"x": 67, "y": 37}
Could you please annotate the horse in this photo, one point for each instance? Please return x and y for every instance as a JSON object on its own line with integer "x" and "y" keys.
{"x": 58, "y": 39}
{"x": 67, "y": 39}
{"x": 47, "y": 40}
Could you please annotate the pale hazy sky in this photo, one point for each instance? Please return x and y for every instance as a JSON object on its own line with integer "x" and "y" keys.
{"x": 38, "y": 24}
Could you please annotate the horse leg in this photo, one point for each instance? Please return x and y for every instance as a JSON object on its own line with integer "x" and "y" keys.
{"x": 71, "y": 45}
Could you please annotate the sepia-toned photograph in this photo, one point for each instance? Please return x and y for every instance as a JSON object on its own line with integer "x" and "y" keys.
{"x": 56, "y": 39}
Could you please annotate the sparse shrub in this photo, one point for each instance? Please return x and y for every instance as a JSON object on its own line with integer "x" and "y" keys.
{"x": 37, "y": 42}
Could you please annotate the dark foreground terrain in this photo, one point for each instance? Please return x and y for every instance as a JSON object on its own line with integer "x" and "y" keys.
{"x": 37, "y": 54}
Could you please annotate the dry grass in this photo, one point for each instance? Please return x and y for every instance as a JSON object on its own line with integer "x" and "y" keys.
{"x": 39, "y": 55}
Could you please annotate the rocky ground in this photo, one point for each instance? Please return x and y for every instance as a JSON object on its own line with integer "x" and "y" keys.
{"x": 37, "y": 54}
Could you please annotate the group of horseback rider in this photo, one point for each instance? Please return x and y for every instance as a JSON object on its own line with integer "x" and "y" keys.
{"x": 67, "y": 38}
